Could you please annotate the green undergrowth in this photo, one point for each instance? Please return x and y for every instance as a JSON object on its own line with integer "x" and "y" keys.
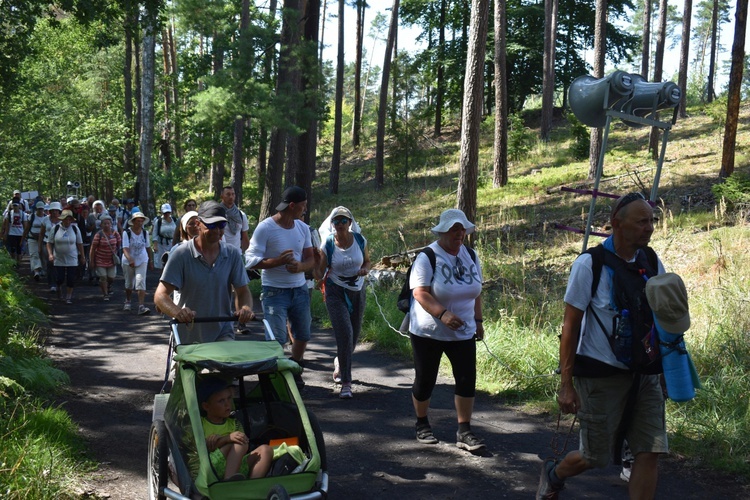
{"x": 41, "y": 454}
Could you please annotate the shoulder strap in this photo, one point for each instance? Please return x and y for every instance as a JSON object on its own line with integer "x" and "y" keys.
{"x": 597, "y": 262}
{"x": 430, "y": 253}
{"x": 360, "y": 241}
{"x": 472, "y": 253}
{"x": 329, "y": 248}
{"x": 158, "y": 226}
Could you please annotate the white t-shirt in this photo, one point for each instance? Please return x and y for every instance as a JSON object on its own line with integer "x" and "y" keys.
{"x": 36, "y": 225}
{"x": 48, "y": 227}
{"x": 66, "y": 245}
{"x": 15, "y": 222}
{"x": 458, "y": 295}
{"x": 136, "y": 246}
{"x": 240, "y": 224}
{"x": 270, "y": 240}
{"x": 345, "y": 264}
{"x": 594, "y": 343}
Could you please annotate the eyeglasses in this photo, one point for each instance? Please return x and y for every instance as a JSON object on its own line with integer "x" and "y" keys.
{"x": 216, "y": 225}
{"x": 627, "y": 200}
{"x": 458, "y": 270}
{"x": 340, "y": 220}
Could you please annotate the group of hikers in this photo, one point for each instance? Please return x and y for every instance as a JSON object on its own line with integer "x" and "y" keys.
{"x": 618, "y": 299}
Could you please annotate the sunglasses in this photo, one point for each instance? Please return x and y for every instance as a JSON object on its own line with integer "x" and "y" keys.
{"x": 216, "y": 225}
{"x": 340, "y": 220}
{"x": 458, "y": 270}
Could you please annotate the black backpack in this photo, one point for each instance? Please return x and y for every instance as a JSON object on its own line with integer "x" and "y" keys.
{"x": 405, "y": 296}
{"x": 629, "y": 292}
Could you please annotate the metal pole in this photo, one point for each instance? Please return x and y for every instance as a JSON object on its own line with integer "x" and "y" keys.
{"x": 599, "y": 170}
{"x": 657, "y": 176}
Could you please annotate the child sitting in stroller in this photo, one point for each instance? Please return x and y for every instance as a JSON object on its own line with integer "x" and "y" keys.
{"x": 226, "y": 442}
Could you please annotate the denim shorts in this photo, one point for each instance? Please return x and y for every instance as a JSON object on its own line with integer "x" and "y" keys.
{"x": 280, "y": 304}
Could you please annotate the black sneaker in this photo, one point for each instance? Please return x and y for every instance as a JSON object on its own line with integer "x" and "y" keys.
{"x": 425, "y": 435}
{"x": 298, "y": 380}
{"x": 468, "y": 441}
{"x": 547, "y": 490}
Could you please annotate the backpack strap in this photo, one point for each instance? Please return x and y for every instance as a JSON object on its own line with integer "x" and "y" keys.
{"x": 360, "y": 241}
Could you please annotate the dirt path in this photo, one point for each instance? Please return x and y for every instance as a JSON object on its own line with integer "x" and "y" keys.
{"x": 116, "y": 364}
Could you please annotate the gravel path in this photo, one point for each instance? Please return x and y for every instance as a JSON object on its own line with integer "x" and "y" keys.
{"x": 116, "y": 363}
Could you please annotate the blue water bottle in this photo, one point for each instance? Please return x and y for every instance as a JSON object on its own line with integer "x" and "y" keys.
{"x": 674, "y": 360}
{"x": 624, "y": 338}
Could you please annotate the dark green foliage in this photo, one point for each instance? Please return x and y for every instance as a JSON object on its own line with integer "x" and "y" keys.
{"x": 519, "y": 138}
{"x": 735, "y": 189}
{"x": 581, "y": 138}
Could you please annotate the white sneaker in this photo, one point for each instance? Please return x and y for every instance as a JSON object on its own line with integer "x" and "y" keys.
{"x": 625, "y": 474}
{"x": 336, "y": 370}
{"x": 126, "y": 307}
{"x": 143, "y": 310}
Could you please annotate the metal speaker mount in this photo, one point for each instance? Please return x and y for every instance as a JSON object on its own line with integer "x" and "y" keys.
{"x": 590, "y": 97}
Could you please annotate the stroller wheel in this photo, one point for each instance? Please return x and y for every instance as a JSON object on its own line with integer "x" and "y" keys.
{"x": 278, "y": 492}
{"x": 158, "y": 454}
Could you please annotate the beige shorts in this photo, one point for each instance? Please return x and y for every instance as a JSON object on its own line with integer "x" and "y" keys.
{"x": 106, "y": 272}
{"x": 602, "y": 405}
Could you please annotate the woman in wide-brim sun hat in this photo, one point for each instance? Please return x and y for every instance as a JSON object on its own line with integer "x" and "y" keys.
{"x": 137, "y": 258}
{"x": 446, "y": 318}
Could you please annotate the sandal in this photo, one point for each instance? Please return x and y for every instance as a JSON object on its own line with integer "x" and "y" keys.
{"x": 425, "y": 435}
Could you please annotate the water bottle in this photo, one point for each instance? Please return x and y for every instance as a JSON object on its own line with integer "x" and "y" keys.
{"x": 674, "y": 359}
{"x": 624, "y": 338}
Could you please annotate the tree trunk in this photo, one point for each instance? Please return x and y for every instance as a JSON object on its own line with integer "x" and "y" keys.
{"x": 687, "y": 14}
{"x": 284, "y": 86}
{"x": 128, "y": 154}
{"x": 147, "y": 111}
{"x": 735, "y": 89}
{"x": 646, "y": 45}
{"x": 383, "y": 106}
{"x": 710, "y": 94}
{"x": 548, "y": 69}
{"x": 308, "y": 140}
{"x": 661, "y": 40}
{"x": 357, "y": 119}
{"x": 333, "y": 183}
{"x": 268, "y": 60}
{"x": 500, "y": 170}
{"x": 175, "y": 98}
{"x": 440, "y": 88}
{"x": 238, "y": 163}
{"x": 165, "y": 146}
{"x": 472, "y": 105}
{"x": 237, "y": 178}
{"x": 600, "y": 45}
{"x": 218, "y": 150}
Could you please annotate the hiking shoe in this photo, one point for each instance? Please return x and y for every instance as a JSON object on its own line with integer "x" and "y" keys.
{"x": 37, "y": 276}
{"x": 346, "y": 391}
{"x": 106, "y": 298}
{"x": 625, "y": 474}
{"x": 336, "y": 370}
{"x": 126, "y": 307}
{"x": 298, "y": 380}
{"x": 68, "y": 301}
{"x": 547, "y": 490}
{"x": 52, "y": 289}
{"x": 143, "y": 310}
{"x": 468, "y": 441}
{"x": 425, "y": 435}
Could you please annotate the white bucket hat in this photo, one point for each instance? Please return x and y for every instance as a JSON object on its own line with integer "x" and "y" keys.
{"x": 451, "y": 217}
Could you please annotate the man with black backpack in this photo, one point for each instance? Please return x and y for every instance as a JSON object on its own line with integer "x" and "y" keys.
{"x": 608, "y": 356}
